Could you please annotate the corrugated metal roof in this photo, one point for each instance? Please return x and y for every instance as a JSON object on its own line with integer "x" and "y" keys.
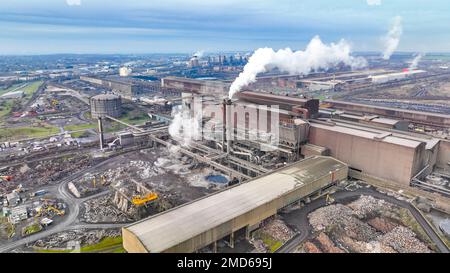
{"x": 368, "y": 133}
{"x": 175, "y": 226}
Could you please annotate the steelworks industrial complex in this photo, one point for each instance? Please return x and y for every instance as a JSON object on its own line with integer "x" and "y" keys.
{"x": 200, "y": 223}
{"x": 376, "y": 147}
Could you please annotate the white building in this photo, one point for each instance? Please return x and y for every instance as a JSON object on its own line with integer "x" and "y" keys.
{"x": 18, "y": 214}
{"x": 384, "y": 78}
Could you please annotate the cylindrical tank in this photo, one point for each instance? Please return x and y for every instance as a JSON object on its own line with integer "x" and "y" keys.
{"x": 106, "y": 104}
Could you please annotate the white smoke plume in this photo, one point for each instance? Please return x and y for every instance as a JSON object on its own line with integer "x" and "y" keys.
{"x": 184, "y": 127}
{"x": 373, "y": 2}
{"x": 316, "y": 56}
{"x": 415, "y": 61}
{"x": 199, "y": 54}
{"x": 392, "y": 39}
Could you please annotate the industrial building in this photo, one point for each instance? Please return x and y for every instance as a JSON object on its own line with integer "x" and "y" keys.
{"x": 105, "y": 105}
{"x": 18, "y": 214}
{"x": 122, "y": 86}
{"x": 313, "y": 85}
{"x": 382, "y": 154}
{"x": 308, "y": 107}
{"x": 195, "y": 86}
{"x": 366, "y": 119}
{"x": 402, "y": 114}
{"x": 200, "y": 223}
{"x": 384, "y": 78}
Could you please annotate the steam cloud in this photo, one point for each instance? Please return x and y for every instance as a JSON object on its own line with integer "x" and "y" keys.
{"x": 317, "y": 55}
{"x": 392, "y": 39}
{"x": 373, "y": 2}
{"x": 416, "y": 61}
{"x": 183, "y": 127}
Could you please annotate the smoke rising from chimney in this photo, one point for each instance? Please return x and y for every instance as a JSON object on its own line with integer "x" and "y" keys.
{"x": 316, "y": 56}
{"x": 415, "y": 61}
{"x": 392, "y": 39}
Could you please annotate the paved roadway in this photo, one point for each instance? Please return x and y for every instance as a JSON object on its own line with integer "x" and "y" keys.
{"x": 299, "y": 217}
{"x": 70, "y": 220}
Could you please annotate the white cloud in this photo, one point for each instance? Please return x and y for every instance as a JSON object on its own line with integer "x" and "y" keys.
{"x": 373, "y": 2}
{"x": 73, "y": 2}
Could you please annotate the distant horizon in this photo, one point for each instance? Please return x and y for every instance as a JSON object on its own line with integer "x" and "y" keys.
{"x": 206, "y": 53}
{"x": 48, "y": 27}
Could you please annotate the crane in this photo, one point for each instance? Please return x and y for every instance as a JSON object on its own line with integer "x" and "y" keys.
{"x": 139, "y": 200}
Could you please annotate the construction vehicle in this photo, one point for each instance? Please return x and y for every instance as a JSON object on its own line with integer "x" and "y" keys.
{"x": 139, "y": 200}
{"x": 6, "y": 178}
{"x": 50, "y": 208}
{"x": 57, "y": 211}
{"x": 55, "y": 102}
{"x": 329, "y": 200}
{"x": 94, "y": 182}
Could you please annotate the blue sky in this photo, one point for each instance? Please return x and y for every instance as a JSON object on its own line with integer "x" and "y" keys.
{"x": 138, "y": 26}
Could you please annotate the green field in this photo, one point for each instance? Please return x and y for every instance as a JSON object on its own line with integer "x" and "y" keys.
{"x": 12, "y": 88}
{"x": 135, "y": 120}
{"x": 106, "y": 245}
{"x": 28, "y": 89}
{"x": 31, "y": 88}
{"x": 5, "y": 108}
{"x": 79, "y": 127}
{"x": 27, "y": 132}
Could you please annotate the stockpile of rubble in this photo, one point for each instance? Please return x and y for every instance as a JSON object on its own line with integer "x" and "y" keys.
{"x": 101, "y": 210}
{"x": 365, "y": 247}
{"x": 365, "y": 225}
{"x": 273, "y": 229}
{"x": 278, "y": 230}
{"x": 84, "y": 237}
{"x": 404, "y": 240}
{"x": 144, "y": 169}
{"x": 368, "y": 206}
{"x": 45, "y": 172}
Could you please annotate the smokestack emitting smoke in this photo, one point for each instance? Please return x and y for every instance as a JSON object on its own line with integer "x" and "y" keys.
{"x": 392, "y": 39}
{"x": 317, "y": 55}
{"x": 416, "y": 61}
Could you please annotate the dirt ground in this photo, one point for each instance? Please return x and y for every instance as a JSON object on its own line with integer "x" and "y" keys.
{"x": 175, "y": 178}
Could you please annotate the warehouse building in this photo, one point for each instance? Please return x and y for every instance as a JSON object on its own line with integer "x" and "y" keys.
{"x": 200, "y": 223}
{"x": 123, "y": 87}
{"x": 196, "y": 86}
{"x": 376, "y": 152}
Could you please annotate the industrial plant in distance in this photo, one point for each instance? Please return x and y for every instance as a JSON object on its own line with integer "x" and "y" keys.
{"x": 224, "y": 127}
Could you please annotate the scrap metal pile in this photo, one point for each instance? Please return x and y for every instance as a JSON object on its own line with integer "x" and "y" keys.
{"x": 365, "y": 225}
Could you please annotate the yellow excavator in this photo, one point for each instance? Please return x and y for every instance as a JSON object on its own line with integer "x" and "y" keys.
{"x": 139, "y": 200}
{"x": 51, "y": 208}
